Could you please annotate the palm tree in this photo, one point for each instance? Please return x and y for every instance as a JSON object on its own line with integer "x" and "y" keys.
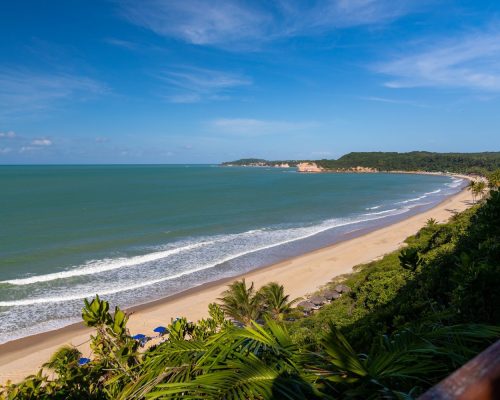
{"x": 242, "y": 303}
{"x": 479, "y": 188}
{"x": 431, "y": 223}
{"x": 275, "y": 301}
{"x": 472, "y": 188}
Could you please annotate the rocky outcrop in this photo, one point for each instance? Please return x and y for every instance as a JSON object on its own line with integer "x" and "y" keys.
{"x": 309, "y": 167}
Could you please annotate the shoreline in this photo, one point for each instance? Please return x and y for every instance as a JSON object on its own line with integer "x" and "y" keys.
{"x": 301, "y": 275}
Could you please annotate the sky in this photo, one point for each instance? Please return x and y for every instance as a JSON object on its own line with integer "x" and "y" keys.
{"x": 202, "y": 81}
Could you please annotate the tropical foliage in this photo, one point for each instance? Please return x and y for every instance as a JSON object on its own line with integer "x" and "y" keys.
{"x": 418, "y": 160}
{"x": 477, "y": 188}
{"x": 245, "y": 305}
{"x": 410, "y": 319}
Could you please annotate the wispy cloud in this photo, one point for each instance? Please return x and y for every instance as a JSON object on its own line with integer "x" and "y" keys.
{"x": 469, "y": 61}
{"x": 126, "y": 44}
{"x": 192, "y": 85}
{"x": 28, "y": 91}
{"x": 257, "y": 127}
{"x": 236, "y": 24}
{"x": 393, "y": 101}
{"x": 41, "y": 142}
{"x": 8, "y": 134}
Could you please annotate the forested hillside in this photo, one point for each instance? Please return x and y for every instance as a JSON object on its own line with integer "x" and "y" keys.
{"x": 418, "y": 160}
{"x": 479, "y": 163}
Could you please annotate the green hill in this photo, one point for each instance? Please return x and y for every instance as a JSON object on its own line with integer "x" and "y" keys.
{"x": 479, "y": 163}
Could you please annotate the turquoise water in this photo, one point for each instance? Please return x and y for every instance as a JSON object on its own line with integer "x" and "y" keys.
{"x": 138, "y": 233}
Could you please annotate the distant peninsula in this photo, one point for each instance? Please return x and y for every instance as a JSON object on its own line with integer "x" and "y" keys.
{"x": 369, "y": 162}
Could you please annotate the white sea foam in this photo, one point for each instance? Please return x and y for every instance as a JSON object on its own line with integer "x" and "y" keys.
{"x": 382, "y": 212}
{"x": 454, "y": 183}
{"x": 433, "y": 192}
{"x": 107, "y": 264}
{"x": 412, "y": 200}
{"x": 373, "y": 208}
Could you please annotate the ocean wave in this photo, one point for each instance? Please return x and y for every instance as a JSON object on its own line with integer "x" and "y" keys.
{"x": 107, "y": 264}
{"x": 373, "y": 208}
{"x": 412, "y": 200}
{"x": 382, "y": 212}
{"x": 307, "y": 232}
{"x": 433, "y": 192}
{"x": 454, "y": 183}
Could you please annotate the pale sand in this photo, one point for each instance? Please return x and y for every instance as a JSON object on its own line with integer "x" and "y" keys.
{"x": 300, "y": 276}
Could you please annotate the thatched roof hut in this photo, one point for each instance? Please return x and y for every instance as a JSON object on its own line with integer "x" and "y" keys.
{"x": 342, "y": 288}
{"x": 318, "y": 300}
{"x": 306, "y": 305}
{"x": 331, "y": 295}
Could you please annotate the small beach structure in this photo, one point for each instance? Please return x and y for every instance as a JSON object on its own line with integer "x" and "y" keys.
{"x": 318, "y": 300}
{"x": 331, "y": 295}
{"x": 306, "y": 306}
{"x": 342, "y": 288}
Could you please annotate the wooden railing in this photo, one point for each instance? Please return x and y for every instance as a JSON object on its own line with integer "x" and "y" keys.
{"x": 479, "y": 379}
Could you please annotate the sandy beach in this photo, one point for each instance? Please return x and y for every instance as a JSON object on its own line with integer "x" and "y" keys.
{"x": 300, "y": 276}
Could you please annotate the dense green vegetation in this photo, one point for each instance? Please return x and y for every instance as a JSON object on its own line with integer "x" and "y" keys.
{"x": 409, "y": 320}
{"x": 480, "y": 163}
{"x": 418, "y": 160}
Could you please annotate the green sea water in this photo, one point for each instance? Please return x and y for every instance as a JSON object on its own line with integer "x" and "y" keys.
{"x": 137, "y": 233}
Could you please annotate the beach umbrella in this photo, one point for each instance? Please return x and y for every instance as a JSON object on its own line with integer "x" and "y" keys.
{"x": 139, "y": 336}
{"x": 160, "y": 329}
{"x": 83, "y": 361}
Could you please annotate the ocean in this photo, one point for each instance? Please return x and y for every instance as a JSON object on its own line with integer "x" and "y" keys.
{"x": 134, "y": 234}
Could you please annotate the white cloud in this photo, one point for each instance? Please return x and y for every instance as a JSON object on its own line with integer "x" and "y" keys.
{"x": 256, "y": 127}
{"x": 192, "y": 85}
{"x": 237, "y": 24}
{"x": 469, "y": 61}
{"x": 8, "y": 134}
{"x": 27, "y": 91}
{"x": 41, "y": 142}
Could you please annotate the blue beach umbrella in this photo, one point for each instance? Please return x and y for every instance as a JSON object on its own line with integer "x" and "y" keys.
{"x": 160, "y": 329}
{"x": 83, "y": 361}
{"x": 139, "y": 336}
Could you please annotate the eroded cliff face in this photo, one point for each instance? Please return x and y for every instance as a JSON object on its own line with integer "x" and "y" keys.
{"x": 309, "y": 167}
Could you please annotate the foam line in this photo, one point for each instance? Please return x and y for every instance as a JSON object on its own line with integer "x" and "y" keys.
{"x": 105, "y": 265}
{"x": 382, "y": 212}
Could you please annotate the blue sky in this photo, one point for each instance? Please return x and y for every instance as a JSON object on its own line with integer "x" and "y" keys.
{"x": 153, "y": 81}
